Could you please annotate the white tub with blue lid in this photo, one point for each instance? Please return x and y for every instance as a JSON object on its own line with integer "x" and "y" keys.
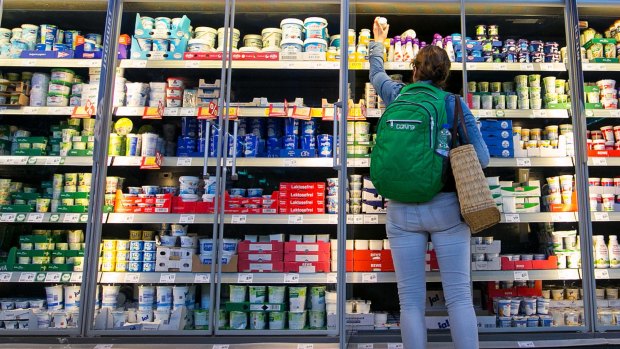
{"x": 198, "y": 45}
{"x": 315, "y": 45}
{"x": 292, "y": 28}
{"x": 316, "y": 28}
{"x": 292, "y": 46}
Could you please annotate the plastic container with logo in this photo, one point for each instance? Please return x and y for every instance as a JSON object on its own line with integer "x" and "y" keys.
{"x": 316, "y": 28}
{"x": 292, "y": 46}
{"x": 315, "y": 45}
{"x": 292, "y": 28}
{"x": 271, "y": 37}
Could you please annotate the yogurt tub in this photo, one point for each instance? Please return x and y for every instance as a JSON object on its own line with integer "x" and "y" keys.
{"x": 272, "y": 37}
{"x": 317, "y": 319}
{"x": 296, "y": 320}
{"x": 62, "y": 75}
{"x": 238, "y": 320}
{"x": 316, "y": 27}
{"x": 57, "y": 100}
{"x": 334, "y": 41}
{"x": 297, "y": 298}
{"x": 238, "y": 293}
{"x": 60, "y": 88}
{"x": 276, "y": 320}
{"x": 220, "y": 38}
{"x": 206, "y": 33}
{"x": 276, "y": 294}
{"x": 292, "y": 28}
{"x": 315, "y": 45}
{"x": 176, "y": 82}
{"x": 258, "y": 294}
{"x": 292, "y": 46}
{"x": 253, "y": 40}
{"x": 257, "y": 320}
{"x": 198, "y": 45}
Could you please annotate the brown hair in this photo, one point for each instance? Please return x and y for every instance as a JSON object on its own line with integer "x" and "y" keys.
{"x": 432, "y": 63}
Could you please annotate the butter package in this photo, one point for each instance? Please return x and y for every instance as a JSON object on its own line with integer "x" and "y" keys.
{"x": 521, "y": 204}
{"x": 530, "y": 188}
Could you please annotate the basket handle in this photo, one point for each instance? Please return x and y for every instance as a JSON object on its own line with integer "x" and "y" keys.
{"x": 458, "y": 116}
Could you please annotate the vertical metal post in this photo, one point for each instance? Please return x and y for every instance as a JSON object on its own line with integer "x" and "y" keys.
{"x": 219, "y": 192}
{"x": 1, "y": 10}
{"x": 341, "y": 229}
{"x": 571, "y": 20}
{"x": 463, "y": 51}
{"x": 105, "y": 110}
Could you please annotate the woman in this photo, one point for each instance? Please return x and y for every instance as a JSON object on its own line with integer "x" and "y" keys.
{"x": 409, "y": 225}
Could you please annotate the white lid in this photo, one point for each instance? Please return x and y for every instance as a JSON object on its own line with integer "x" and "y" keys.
{"x": 198, "y": 41}
{"x": 291, "y": 21}
{"x": 205, "y": 29}
{"x": 271, "y": 30}
{"x": 315, "y": 19}
{"x": 253, "y": 36}
{"x": 365, "y": 30}
{"x": 315, "y": 41}
{"x": 291, "y": 41}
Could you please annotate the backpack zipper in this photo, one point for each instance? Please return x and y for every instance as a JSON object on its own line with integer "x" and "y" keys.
{"x": 391, "y": 122}
{"x": 430, "y": 116}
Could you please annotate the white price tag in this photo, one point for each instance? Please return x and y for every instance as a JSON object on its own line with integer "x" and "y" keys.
{"x": 365, "y": 346}
{"x": 27, "y": 277}
{"x": 76, "y": 277}
{"x": 239, "y": 219}
{"x": 349, "y": 219}
{"x": 187, "y": 112}
{"x": 35, "y": 217}
{"x": 221, "y": 346}
{"x": 296, "y": 219}
{"x": 471, "y": 66}
{"x": 103, "y": 346}
{"x": 291, "y": 278}
{"x": 566, "y": 274}
{"x": 290, "y": 162}
{"x": 395, "y": 346}
{"x": 167, "y": 278}
{"x": 127, "y": 218}
{"x": 305, "y": 346}
{"x": 358, "y": 219}
{"x": 332, "y": 278}
{"x": 71, "y": 218}
{"x": 528, "y": 344}
{"x": 512, "y": 218}
{"x": 29, "y": 62}
{"x": 53, "y": 277}
{"x": 229, "y": 162}
{"x": 485, "y": 113}
{"x": 171, "y": 112}
{"x": 132, "y": 278}
{"x": 7, "y": 217}
{"x": 136, "y": 63}
{"x": 539, "y": 113}
{"x": 184, "y": 161}
{"x": 5, "y": 277}
{"x": 601, "y": 216}
{"x": 500, "y": 66}
{"x": 557, "y": 218}
{"x": 601, "y": 67}
{"x": 53, "y": 160}
{"x": 371, "y": 219}
{"x": 521, "y": 275}
{"x": 527, "y": 66}
{"x": 245, "y": 278}
{"x": 369, "y": 277}
{"x": 364, "y": 163}
{"x": 601, "y": 274}
{"x": 187, "y": 218}
{"x": 202, "y": 278}
{"x": 524, "y": 162}
{"x": 332, "y": 219}
{"x": 599, "y": 161}
{"x": 546, "y": 66}
{"x": 59, "y": 111}
{"x": 192, "y": 64}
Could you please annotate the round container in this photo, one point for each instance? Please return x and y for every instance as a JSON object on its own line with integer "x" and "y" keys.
{"x": 238, "y": 320}
{"x": 292, "y": 46}
{"x": 317, "y": 319}
{"x": 276, "y": 320}
{"x": 257, "y": 320}
{"x": 297, "y": 298}
{"x": 199, "y": 45}
{"x": 62, "y": 75}
{"x": 253, "y": 40}
{"x": 315, "y": 27}
{"x": 238, "y": 293}
{"x": 292, "y": 28}
{"x": 315, "y": 45}
{"x": 271, "y": 37}
{"x": 61, "y": 88}
{"x": 297, "y": 320}
{"x": 207, "y": 34}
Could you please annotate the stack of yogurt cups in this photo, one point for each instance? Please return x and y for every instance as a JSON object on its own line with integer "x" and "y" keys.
{"x": 137, "y": 93}
{"x": 355, "y": 194}
{"x": 220, "y": 38}
{"x": 39, "y": 89}
{"x": 331, "y": 200}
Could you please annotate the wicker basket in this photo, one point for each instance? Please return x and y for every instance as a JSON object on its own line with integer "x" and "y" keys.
{"x": 477, "y": 205}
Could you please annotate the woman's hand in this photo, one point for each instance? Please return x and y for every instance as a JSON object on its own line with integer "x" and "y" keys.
{"x": 380, "y": 31}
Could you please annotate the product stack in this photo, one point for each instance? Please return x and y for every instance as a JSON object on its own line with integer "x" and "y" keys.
{"x": 15, "y": 88}
{"x": 606, "y": 138}
{"x": 359, "y": 139}
{"x": 301, "y": 198}
{"x": 524, "y": 93}
{"x": 256, "y": 255}
{"x": 600, "y": 48}
{"x": 56, "y": 250}
{"x": 160, "y": 38}
{"x": 603, "y": 194}
{"x": 565, "y": 246}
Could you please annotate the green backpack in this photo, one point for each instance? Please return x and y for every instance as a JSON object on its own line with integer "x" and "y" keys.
{"x": 404, "y": 163}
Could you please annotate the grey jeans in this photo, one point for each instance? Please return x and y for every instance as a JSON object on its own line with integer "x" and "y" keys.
{"x": 408, "y": 227}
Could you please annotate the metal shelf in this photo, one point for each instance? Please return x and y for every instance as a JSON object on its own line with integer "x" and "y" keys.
{"x": 604, "y": 161}
{"x": 46, "y": 160}
{"x": 35, "y": 217}
{"x": 64, "y": 111}
{"x": 532, "y": 162}
{"x": 590, "y": 67}
{"x": 51, "y": 63}
{"x": 292, "y": 219}
{"x": 41, "y": 277}
{"x": 521, "y": 114}
{"x": 603, "y": 113}
{"x": 605, "y": 216}
{"x": 540, "y": 217}
{"x": 524, "y": 67}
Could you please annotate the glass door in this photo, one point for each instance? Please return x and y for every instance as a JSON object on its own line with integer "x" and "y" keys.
{"x": 46, "y": 58}
{"x": 155, "y": 272}
{"x": 280, "y": 221}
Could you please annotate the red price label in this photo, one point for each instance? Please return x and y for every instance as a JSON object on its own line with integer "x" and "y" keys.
{"x": 154, "y": 113}
{"x": 213, "y": 108}
{"x": 84, "y": 112}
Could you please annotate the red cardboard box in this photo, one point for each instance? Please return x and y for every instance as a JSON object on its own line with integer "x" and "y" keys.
{"x": 550, "y": 263}
{"x": 307, "y": 257}
{"x": 301, "y": 202}
{"x": 305, "y": 186}
{"x": 245, "y": 266}
{"x": 180, "y": 206}
{"x": 302, "y": 210}
{"x": 306, "y": 267}
{"x": 368, "y": 255}
{"x": 382, "y": 266}
{"x": 307, "y": 247}
{"x": 275, "y": 256}
{"x": 260, "y": 247}
{"x": 301, "y": 194}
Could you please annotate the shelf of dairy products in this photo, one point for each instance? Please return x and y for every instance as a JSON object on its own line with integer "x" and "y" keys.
{"x": 605, "y": 216}
{"x": 603, "y": 113}
{"x": 532, "y": 162}
{"x": 63, "y": 111}
{"x": 51, "y": 63}
{"x": 521, "y": 114}
{"x": 46, "y": 160}
{"x": 41, "y": 276}
{"x": 523, "y": 67}
{"x": 540, "y": 217}
{"x": 38, "y": 217}
{"x": 130, "y": 161}
{"x": 604, "y": 161}
{"x": 591, "y": 67}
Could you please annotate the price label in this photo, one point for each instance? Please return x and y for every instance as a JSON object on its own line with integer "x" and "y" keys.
{"x": 539, "y": 113}
{"x": 221, "y": 346}
{"x": 601, "y": 216}
{"x": 202, "y": 278}
{"x": 601, "y": 67}
{"x": 369, "y": 277}
{"x": 136, "y": 63}
{"x": 601, "y": 274}
{"x": 485, "y": 113}
{"x": 192, "y": 64}
{"x": 8, "y": 217}
{"x": 76, "y": 277}
{"x": 35, "y": 217}
{"x": 358, "y": 219}
{"x": 521, "y": 275}
{"x": 296, "y": 219}
{"x": 371, "y": 219}
{"x": 557, "y": 218}
{"x": 599, "y": 161}
{"x": 171, "y": 112}
{"x": 471, "y": 66}
{"x": 546, "y": 66}
{"x": 332, "y": 278}
{"x": 245, "y": 278}
{"x": 229, "y": 162}
{"x": 53, "y": 277}
{"x": 29, "y": 62}
{"x": 167, "y": 278}
{"x": 332, "y": 219}
{"x": 290, "y": 162}
{"x": 566, "y": 274}
{"x": 239, "y": 219}
{"x": 500, "y": 66}
{"x": 527, "y": 66}
{"x": 184, "y": 161}
{"x": 60, "y": 111}
{"x": 356, "y": 65}
{"x": 365, "y": 346}
{"x": 512, "y": 218}
{"x": 524, "y": 162}
{"x": 305, "y": 346}
{"x": 291, "y": 278}
{"x": 528, "y": 344}
{"x": 71, "y": 218}
{"x": 395, "y": 346}
{"x": 27, "y": 277}
{"x": 53, "y": 160}
{"x": 103, "y": 346}
{"x": 5, "y": 277}
{"x": 132, "y": 278}
{"x": 187, "y": 112}
{"x": 364, "y": 163}
{"x": 187, "y": 218}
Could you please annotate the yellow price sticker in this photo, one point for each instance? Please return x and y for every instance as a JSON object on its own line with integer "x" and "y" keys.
{"x": 356, "y": 65}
